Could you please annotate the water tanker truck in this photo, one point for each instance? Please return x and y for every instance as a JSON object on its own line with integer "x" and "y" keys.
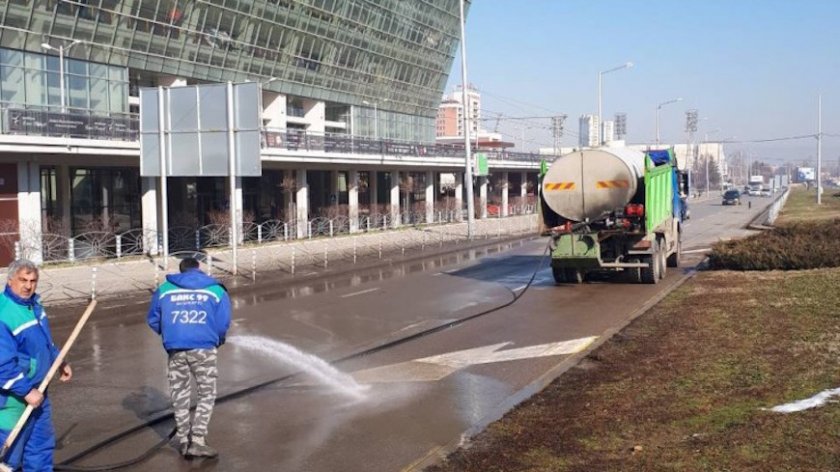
{"x": 613, "y": 209}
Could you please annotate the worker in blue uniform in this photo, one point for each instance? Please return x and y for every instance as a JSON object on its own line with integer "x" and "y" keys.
{"x": 191, "y": 313}
{"x": 26, "y": 354}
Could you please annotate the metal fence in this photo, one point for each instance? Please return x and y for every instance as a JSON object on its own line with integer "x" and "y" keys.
{"x": 301, "y": 257}
{"x": 137, "y": 242}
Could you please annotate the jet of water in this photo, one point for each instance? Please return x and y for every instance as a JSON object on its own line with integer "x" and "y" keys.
{"x": 313, "y": 365}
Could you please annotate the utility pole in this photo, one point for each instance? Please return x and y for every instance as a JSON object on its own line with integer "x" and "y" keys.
{"x": 620, "y": 126}
{"x": 690, "y": 128}
{"x": 819, "y": 150}
{"x": 557, "y": 130}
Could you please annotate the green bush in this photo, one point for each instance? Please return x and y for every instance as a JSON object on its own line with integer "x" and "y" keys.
{"x": 803, "y": 245}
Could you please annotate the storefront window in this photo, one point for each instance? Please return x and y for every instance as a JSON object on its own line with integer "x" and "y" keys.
{"x": 105, "y": 199}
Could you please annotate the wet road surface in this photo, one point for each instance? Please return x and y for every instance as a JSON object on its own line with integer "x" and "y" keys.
{"x": 420, "y": 396}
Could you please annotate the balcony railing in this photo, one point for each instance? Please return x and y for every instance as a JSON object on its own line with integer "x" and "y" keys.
{"x": 74, "y": 123}
{"x": 88, "y": 124}
{"x": 301, "y": 140}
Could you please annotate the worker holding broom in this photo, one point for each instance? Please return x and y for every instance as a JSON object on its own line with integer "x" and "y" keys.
{"x": 26, "y": 355}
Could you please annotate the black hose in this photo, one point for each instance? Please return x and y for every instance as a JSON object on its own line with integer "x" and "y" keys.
{"x": 66, "y": 464}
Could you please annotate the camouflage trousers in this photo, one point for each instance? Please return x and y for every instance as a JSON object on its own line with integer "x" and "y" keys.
{"x": 184, "y": 366}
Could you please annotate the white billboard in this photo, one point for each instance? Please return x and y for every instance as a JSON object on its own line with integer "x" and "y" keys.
{"x": 804, "y": 174}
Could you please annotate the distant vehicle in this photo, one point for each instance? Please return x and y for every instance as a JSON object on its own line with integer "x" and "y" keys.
{"x": 754, "y": 192}
{"x": 731, "y": 197}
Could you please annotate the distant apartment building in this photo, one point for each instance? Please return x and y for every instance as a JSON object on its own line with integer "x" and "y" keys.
{"x": 450, "y": 116}
{"x": 449, "y": 119}
{"x": 589, "y": 135}
{"x": 609, "y": 131}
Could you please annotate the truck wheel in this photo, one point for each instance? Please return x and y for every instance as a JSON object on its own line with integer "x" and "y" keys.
{"x": 650, "y": 274}
{"x": 559, "y": 275}
{"x": 674, "y": 259}
{"x": 574, "y": 276}
{"x": 660, "y": 256}
{"x": 634, "y": 274}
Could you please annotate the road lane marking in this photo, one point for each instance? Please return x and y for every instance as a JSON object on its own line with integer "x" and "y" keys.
{"x": 361, "y": 292}
{"x": 520, "y": 288}
{"x": 434, "y": 368}
{"x": 692, "y": 251}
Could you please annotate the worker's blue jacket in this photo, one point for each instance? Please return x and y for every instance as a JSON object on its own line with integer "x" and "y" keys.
{"x": 190, "y": 311}
{"x": 26, "y": 352}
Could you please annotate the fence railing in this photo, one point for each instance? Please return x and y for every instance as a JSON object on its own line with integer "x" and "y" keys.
{"x": 137, "y": 242}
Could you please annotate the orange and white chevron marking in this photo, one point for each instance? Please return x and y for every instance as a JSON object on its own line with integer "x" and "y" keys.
{"x": 612, "y": 184}
{"x": 559, "y": 186}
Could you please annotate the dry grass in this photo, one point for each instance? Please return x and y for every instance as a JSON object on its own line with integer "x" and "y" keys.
{"x": 803, "y": 244}
{"x": 802, "y": 206}
{"x": 683, "y": 387}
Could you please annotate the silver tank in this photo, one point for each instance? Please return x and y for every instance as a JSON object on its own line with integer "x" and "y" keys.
{"x": 589, "y": 183}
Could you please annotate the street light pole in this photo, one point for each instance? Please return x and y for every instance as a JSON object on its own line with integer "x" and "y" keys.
{"x": 61, "y": 49}
{"x": 626, "y": 65}
{"x": 659, "y": 107}
{"x": 468, "y": 178}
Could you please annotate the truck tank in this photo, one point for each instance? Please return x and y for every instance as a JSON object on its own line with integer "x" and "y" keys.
{"x": 587, "y": 184}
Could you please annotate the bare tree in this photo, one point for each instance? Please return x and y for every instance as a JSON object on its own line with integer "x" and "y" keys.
{"x": 289, "y": 186}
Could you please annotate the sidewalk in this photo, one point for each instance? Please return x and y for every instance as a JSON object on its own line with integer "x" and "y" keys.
{"x": 78, "y": 283}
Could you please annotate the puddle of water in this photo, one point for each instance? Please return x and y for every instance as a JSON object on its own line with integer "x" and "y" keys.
{"x": 376, "y": 275}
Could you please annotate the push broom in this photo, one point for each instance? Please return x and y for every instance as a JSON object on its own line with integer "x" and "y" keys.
{"x": 43, "y": 386}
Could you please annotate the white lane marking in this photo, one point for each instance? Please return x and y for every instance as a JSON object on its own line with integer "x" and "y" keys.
{"x": 361, "y": 292}
{"x": 437, "y": 367}
{"x": 817, "y": 400}
{"x": 692, "y": 251}
{"x": 520, "y": 288}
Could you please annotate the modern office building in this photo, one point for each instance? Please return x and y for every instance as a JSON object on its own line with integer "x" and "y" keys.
{"x": 350, "y": 93}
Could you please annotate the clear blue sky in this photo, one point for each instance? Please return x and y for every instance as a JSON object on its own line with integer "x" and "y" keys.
{"x": 752, "y": 68}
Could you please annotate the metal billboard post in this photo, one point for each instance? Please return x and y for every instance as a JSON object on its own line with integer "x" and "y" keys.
{"x": 234, "y": 234}
{"x": 164, "y": 201}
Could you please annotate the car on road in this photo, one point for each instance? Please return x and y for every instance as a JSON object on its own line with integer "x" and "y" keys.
{"x": 731, "y": 197}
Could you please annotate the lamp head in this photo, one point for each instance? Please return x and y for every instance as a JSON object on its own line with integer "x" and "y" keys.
{"x": 47, "y": 46}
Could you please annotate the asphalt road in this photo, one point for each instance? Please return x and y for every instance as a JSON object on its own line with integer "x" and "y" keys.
{"x": 400, "y": 407}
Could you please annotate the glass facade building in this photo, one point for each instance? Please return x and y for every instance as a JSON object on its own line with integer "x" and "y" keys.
{"x": 379, "y": 66}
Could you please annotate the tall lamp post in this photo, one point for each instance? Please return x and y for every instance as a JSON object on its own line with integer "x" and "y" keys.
{"x": 468, "y": 178}
{"x": 659, "y": 107}
{"x": 626, "y": 65}
{"x": 61, "y": 50}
